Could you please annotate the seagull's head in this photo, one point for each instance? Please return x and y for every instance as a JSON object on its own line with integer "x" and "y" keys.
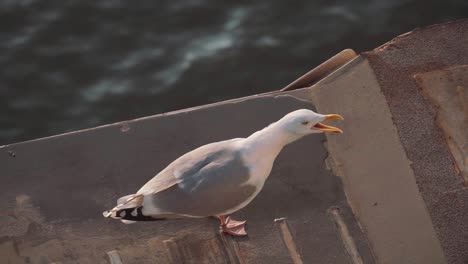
{"x": 303, "y": 122}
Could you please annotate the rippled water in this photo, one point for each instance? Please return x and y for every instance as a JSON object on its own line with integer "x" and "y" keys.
{"x": 67, "y": 65}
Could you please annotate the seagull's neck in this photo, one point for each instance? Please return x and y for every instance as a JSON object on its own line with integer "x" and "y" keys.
{"x": 269, "y": 141}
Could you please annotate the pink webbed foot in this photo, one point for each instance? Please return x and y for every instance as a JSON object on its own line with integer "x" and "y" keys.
{"x": 232, "y": 227}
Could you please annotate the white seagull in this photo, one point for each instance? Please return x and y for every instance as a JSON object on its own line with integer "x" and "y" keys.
{"x": 220, "y": 178}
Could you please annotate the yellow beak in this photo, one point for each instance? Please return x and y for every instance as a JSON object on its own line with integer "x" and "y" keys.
{"x": 325, "y": 128}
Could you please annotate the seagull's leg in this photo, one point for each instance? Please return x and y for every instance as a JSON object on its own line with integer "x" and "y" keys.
{"x": 232, "y": 227}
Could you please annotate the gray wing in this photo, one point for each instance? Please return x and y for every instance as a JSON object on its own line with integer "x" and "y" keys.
{"x": 185, "y": 166}
{"x": 206, "y": 181}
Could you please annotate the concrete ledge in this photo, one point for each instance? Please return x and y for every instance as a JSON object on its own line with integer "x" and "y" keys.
{"x": 442, "y": 187}
{"x": 53, "y": 191}
{"x": 378, "y": 180}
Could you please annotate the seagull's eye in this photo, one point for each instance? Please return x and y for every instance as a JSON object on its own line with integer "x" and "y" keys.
{"x": 305, "y": 123}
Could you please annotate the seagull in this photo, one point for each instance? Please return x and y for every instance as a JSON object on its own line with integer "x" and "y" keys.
{"x": 219, "y": 178}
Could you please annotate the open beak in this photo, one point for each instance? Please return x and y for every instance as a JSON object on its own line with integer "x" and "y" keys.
{"x": 325, "y": 128}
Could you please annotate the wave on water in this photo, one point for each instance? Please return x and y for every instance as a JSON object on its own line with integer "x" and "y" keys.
{"x": 69, "y": 65}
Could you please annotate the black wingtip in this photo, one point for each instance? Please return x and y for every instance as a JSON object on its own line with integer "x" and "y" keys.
{"x": 135, "y": 214}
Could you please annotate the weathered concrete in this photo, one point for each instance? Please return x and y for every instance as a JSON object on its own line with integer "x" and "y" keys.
{"x": 442, "y": 187}
{"x": 377, "y": 176}
{"x": 53, "y": 190}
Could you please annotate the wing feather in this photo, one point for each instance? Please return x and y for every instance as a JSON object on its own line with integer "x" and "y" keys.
{"x": 185, "y": 167}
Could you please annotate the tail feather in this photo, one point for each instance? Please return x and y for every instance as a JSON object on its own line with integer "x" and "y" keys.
{"x": 128, "y": 201}
{"x": 129, "y": 210}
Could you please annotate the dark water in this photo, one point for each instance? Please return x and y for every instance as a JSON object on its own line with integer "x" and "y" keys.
{"x": 67, "y": 65}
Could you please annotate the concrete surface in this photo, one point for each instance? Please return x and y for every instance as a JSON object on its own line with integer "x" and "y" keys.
{"x": 53, "y": 190}
{"x": 442, "y": 187}
{"x": 379, "y": 182}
